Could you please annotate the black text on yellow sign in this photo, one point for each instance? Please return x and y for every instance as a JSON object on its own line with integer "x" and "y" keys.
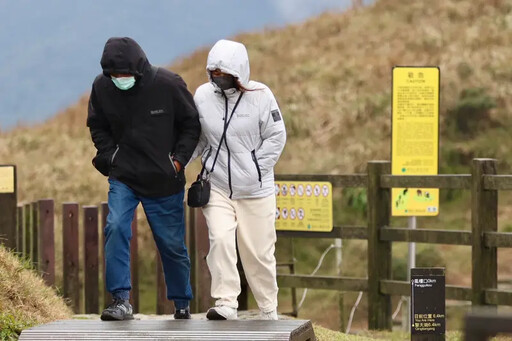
{"x": 415, "y": 137}
{"x": 304, "y": 206}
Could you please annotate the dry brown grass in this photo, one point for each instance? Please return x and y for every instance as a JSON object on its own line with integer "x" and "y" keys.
{"x": 24, "y": 296}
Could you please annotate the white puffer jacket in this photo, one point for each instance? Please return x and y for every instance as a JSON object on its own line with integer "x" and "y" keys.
{"x": 255, "y": 136}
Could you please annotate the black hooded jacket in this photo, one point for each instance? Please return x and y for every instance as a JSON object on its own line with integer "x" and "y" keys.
{"x": 139, "y": 132}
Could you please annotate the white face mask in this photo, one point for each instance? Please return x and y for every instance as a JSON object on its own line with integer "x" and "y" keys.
{"x": 124, "y": 83}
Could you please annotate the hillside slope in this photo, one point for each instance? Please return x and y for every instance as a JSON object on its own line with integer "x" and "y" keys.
{"x": 331, "y": 76}
{"x": 24, "y": 298}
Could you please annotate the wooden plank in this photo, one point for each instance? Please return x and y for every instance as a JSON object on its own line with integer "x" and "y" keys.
{"x": 447, "y": 181}
{"x": 337, "y": 180}
{"x": 342, "y": 232}
{"x": 47, "y": 240}
{"x": 134, "y": 264}
{"x": 497, "y": 182}
{"x": 498, "y": 297}
{"x": 498, "y": 239}
{"x": 322, "y": 282}
{"x": 403, "y": 288}
{"x": 70, "y": 252}
{"x": 27, "y": 223}
{"x": 379, "y": 251}
{"x": 90, "y": 250}
{"x": 35, "y": 234}
{"x": 484, "y": 218}
{"x": 20, "y": 228}
{"x": 8, "y": 204}
{"x": 426, "y": 236}
{"x": 293, "y": 330}
{"x": 107, "y": 297}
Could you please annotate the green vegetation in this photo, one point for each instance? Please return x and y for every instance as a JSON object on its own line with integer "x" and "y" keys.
{"x": 24, "y": 298}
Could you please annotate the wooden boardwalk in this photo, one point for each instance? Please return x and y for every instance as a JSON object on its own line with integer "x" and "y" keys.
{"x": 299, "y": 330}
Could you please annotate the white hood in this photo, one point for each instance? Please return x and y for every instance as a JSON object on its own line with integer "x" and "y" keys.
{"x": 230, "y": 57}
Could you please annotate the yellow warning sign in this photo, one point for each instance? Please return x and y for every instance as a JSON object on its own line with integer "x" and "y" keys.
{"x": 304, "y": 206}
{"x": 6, "y": 179}
{"x": 415, "y": 137}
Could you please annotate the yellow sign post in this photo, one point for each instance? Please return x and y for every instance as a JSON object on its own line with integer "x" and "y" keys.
{"x": 304, "y": 206}
{"x": 415, "y": 137}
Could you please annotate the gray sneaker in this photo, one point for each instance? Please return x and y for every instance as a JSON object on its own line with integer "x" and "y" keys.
{"x": 118, "y": 310}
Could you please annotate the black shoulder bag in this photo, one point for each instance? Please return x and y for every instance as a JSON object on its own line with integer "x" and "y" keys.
{"x": 199, "y": 191}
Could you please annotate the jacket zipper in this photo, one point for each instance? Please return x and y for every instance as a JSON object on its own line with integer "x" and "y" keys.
{"x": 253, "y": 154}
{"x": 173, "y": 165}
{"x": 114, "y": 155}
{"x": 229, "y": 152}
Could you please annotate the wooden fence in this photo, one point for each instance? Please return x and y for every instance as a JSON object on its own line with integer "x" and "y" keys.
{"x": 37, "y": 220}
{"x": 483, "y": 182}
{"x": 35, "y": 240}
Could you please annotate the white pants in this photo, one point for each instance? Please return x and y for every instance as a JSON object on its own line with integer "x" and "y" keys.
{"x": 252, "y": 222}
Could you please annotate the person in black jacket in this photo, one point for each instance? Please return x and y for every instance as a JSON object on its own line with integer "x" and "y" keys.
{"x": 145, "y": 127}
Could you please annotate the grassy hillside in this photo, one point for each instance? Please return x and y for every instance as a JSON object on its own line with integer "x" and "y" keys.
{"x": 24, "y": 298}
{"x": 332, "y": 77}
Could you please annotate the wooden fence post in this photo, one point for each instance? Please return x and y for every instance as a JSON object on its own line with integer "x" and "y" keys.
{"x": 91, "y": 273}
{"x": 70, "y": 262}
{"x": 47, "y": 241}
{"x": 484, "y": 218}
{"x": 19, "y": 229}
{"x": 107, "y": 297}
{"x": 8, "y": 202}
{"x": 379, "y": 252}
{"x": 134, "y": 265}
{"x": 35, "y": 234}
{"x": 27, "y": 222}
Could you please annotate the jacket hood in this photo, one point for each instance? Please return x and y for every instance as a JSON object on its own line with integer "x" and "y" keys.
{"x": 123, "y": 55}
{"x": 230, "y": 57}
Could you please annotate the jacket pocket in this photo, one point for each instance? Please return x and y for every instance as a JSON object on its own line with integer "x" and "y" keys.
{"x": 173, "y": 165}
{"x": 114, "y": 156}
{"x": 255, "y": 160}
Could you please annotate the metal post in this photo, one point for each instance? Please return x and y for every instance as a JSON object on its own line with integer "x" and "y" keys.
{"x": 411, "y": 263}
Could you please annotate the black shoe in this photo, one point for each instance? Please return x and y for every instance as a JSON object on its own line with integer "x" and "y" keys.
{"x": 118, "y": 310}
{"x": 182, "y": 314}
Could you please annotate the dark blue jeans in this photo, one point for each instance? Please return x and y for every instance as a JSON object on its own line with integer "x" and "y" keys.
{"x": 166, "y": 219}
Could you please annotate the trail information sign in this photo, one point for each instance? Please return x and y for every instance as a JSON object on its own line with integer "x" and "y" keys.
{"x": 428, "y": 304}
{"x": 415, "y": 137}
{"x": 6, "y": 179}
{"x": 304, "y": 206}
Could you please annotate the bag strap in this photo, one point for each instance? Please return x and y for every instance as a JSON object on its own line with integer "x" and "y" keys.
{"x": 223, "y": 137}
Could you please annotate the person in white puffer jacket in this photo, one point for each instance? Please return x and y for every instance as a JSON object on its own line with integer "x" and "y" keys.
{"x": 242, "y": 202}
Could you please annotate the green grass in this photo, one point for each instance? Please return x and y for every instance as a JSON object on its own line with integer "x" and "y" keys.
{"x": 11, "y": 326}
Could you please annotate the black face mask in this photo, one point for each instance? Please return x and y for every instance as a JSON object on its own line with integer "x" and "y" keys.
{"x": 224, "y": 82}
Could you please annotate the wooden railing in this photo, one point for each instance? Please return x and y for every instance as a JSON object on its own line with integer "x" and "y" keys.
{"x": 483, "y": 182}
{"x": 35, "y": 240}
{"x": 36, "y": 219}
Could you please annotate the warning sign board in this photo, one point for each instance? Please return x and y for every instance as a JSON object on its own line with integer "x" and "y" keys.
{"x": 415, "y": 137}
{"x": 6, "y": 179}
{"x": 304, "y": 206}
